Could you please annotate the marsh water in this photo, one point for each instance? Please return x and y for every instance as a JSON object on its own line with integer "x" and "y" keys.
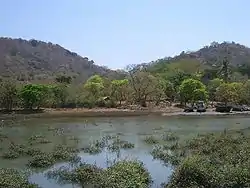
{"x": 132, "y": 129}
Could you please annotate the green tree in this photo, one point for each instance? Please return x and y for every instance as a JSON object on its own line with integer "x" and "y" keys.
{"x": 94, "y": 86}
{"x": 245, "y": 94}
{"x": 164, "y": 89}
{"x": 8, "y": 94}
{"x": 59, "y": 94}
{"x": 192, "y": 90}
{"x": 229, "y": 92}
{"x": 119, "y": 89}
{"x": 212, "y": 87}
{"x": 33, "y": 95}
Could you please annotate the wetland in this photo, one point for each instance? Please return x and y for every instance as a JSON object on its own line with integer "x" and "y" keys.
{"x": 140, "y": 151}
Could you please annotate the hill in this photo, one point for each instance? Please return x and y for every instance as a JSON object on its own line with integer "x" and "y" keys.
{"x": 209, "y": 57}
{"x": 35, "y": 60}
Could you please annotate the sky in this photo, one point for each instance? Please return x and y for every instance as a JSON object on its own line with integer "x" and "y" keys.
{"x": 115, "y": 33}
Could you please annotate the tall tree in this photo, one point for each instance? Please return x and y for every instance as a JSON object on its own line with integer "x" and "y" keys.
{"x": 192, "y": 90}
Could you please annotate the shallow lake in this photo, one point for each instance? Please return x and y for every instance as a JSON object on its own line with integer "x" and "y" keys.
{"x": 132, "y": 129}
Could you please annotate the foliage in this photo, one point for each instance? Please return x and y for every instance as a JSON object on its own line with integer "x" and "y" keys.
{"x": 210, "y": 160}
{"x": 212, "y": 87}
{"x": 121, "y": 175}
{"x": 119, "y": 89}
{"x": 94, "y": 86}
{"x": 59, "y": 94}
{"x": 11, "y": 178}
{"x": 33, "y": 95}
{"x": 229, "y": 92}
{"x": 192, "y": 90}
{"x": 8, "y": 95}
{"x": 64, "y": 79}
{"x": 143, "y": 84}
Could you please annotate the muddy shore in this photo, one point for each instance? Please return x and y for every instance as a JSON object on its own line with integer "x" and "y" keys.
{"x": 114, "y": 112}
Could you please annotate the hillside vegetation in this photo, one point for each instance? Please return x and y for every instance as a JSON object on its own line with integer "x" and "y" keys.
{"x": 35, "y": 60}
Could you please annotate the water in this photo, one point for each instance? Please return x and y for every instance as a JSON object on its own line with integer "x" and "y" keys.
{"x": 132, "y": 129}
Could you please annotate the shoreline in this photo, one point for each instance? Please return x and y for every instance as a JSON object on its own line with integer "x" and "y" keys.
{"x": 114, "y": 112}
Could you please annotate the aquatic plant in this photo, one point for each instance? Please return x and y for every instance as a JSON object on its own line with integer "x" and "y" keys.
{"x": 14, "y": 151}
{"x": 167, "y": 156}
{"x": 123, "y": 174}
{"x": 38, "y": 139}
{"x": 11, "y": 178}
{"x": 10, "y": 155}
{"x": 214, "y": 160}
{"x": 41, "y": 160}
{"x": 151, "y": 140}
{"x": 32, "y": 151}
{"x": 126, "y": 174}
{"x": 92, "y": 149}
{"x": 169, "y": 136}
{"x": 59, "y": 153}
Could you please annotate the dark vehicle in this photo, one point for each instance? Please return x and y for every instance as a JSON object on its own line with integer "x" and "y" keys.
{"x": 223, "y": 108}
{"x": 201, "y": 109}
{"x": 189, "y": 109}
{"x": 246, "y": 108}
{"x": 237, "y": 108}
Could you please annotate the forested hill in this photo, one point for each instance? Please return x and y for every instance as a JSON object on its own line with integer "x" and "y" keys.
{"x": 209, "y": 57}
{"x": 36, "y": 60}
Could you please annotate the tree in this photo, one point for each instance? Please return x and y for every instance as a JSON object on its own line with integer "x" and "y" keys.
{"x": 33, "y": 95}
{"x": 165, "y": 89}
{"x": 63, "y": 79}
{"x": 224, "y": 71}
{"x": 245, "y": 94}
{"x": 8, "y": 94}
{"x": 94, "y": 86}
{"x": 119, "y": 89}
{"x": 60, "y": 94}
{"x": 212, "y": 87}
{"x": 143, "y": 83}
{"x": 229, "y": 92}
{"x": 192, "y": 90}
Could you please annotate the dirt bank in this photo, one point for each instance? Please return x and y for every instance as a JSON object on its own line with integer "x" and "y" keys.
{"x": 114, "y": 112}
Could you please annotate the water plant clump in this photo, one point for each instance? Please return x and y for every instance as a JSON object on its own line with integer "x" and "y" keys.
{"x": 214, "y": 160}
{"x": 11, "y": 178}
{"x": 42, "y": 160}
{"x": 38, "y": 139}
{"x": 59, "y": 153}
{"x": 92, "y": 149}
{"x": 167, "y": 156}
{"x": 169, "y": 136}
{"x": 14, "y": 151}
{"x": 122, "y": 174}
{"x": 151, "y": 140}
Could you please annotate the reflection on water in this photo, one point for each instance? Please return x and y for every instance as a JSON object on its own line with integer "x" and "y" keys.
{"x": 83, "y": 131}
